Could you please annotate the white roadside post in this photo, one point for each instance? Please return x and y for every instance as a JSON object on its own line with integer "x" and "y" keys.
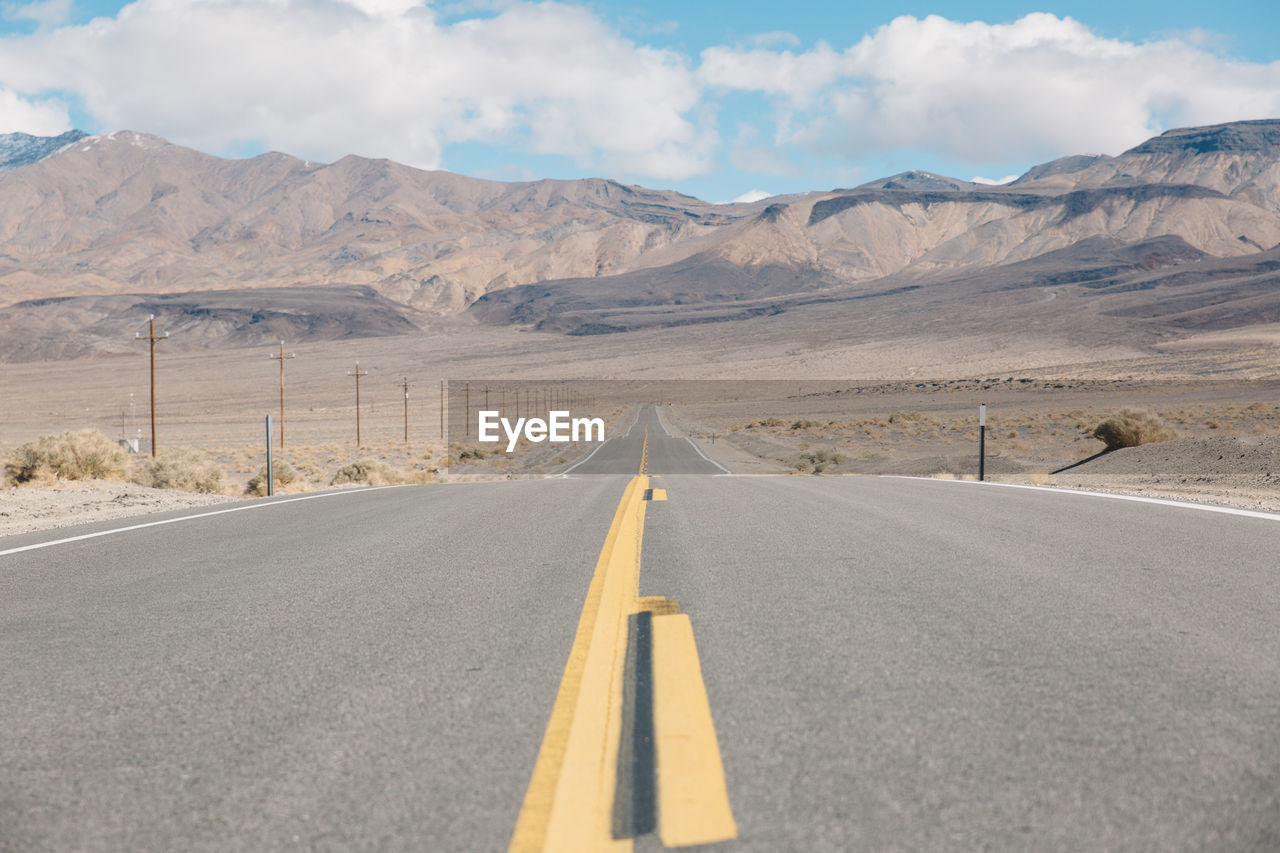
{"x": 271, "y": 478}
{"x": 982, "y": 442}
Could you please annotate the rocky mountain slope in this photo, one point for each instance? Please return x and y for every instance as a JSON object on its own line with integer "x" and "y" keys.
{"x": 1178, "y": 234}
{"x": 23, "y": 149}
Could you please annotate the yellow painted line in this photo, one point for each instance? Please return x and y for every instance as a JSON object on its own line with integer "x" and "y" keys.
{"x": 693, "y": 800}
{"x": 568, "y": 805}
{"x": 657, "y": 605}
{"x": 656, "y": 495}
{"x": 644, "y": 451}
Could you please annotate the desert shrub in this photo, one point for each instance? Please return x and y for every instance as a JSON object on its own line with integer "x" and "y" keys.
{"x": 1131, "y": 427}
{"x": 819, "y": 459}
{"x": 368, "y": 471}
{"x": 805, "y": 424}
{"x": 83, "y": 455}
{"x": 180, "y": 468}
{"x": 766, "y": 423}
{"x": 282, "y": 473}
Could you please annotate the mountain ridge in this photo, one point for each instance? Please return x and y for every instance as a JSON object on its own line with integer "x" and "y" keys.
{"x": 129, "y": 213}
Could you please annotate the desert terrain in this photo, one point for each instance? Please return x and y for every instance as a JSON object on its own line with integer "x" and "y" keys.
{"x": 882, "y": 314}
{"x": 761, "y": 403}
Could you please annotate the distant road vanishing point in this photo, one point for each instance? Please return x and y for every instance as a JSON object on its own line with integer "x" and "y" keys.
{"x": 641, "y": 652}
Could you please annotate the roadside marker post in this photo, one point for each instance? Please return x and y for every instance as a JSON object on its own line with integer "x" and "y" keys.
{"x": 982, "y": 442}
{"x": 405, "y": 383}
{"x": 271, "y": 474}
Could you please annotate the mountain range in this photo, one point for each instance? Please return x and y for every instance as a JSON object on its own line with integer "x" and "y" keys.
{"x": 1180, "y": 234}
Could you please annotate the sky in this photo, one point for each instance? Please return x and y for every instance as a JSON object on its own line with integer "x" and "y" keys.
{"x": 719, "y": 100}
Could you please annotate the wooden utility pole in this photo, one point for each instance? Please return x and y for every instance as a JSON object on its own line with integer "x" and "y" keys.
{"x": 357, "y": 373}
{"x": 152, "y": 339}
{"x": 282, "y": 357}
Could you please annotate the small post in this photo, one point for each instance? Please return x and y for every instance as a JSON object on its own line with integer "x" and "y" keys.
{"x": 982, "y": 442}
{"x": 466, "y": 408}
{"x": 406, "y": 409}
{"x": 442, "y": 407}
{"x": 271, "y": 472}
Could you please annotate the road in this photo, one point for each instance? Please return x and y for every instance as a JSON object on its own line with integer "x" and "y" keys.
{"x": 891, "y": 664}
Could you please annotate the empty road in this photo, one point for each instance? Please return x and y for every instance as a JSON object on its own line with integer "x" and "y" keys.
{"x": 890, "y": 664}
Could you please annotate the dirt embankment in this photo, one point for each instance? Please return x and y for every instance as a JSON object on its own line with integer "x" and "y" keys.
{"x": 29, "y": 508}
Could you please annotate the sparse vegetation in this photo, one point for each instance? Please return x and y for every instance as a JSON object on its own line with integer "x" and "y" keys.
{"x": 371, "y": 472}
{"x": 283, "y": 474}
{"x": 1132, "y": 427}
{"x": 818, "y": 460}
{"x": 83, "y": 455}
{"x": 368, "y": 471}
{"x": 180, "y": 468}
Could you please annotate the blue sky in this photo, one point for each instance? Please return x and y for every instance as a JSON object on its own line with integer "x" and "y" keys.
{"x": 713, "y": 99}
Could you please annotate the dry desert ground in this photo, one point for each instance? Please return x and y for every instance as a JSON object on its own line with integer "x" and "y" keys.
{"x": 840, "y": 407}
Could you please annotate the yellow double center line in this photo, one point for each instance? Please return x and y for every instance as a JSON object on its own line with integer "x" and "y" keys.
{"x": 570, "y": 800}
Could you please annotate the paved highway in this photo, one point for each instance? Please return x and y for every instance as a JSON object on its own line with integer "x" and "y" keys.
{"x": 890, "y": 664}
{"x": 648, "y": 434}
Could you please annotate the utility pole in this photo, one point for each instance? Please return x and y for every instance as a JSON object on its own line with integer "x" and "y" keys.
{"x": 442, "y": 407}
{"x": 282, "y": 358}
{"x": 357, "y": 373}
{"x": 406, "y": 409}
{"x": 152, "y": 339}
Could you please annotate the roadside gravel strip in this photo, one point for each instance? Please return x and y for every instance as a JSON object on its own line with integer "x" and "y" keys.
{"x": 1181, "y": 504}
{"x": 177, "y": 519}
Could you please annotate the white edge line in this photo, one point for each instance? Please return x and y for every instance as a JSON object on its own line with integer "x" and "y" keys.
{"x": 658, "y": 411}
{"x": 705, "y": 456}
{"x": 114, "y": 530}
{"x": 1225, "y": 510}
{"x": 633, "y": 423}
{"x": 696, "y": 448}
{"x": 566, "y": 471}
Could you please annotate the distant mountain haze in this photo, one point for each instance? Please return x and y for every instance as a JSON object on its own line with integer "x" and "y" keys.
{"x": 93, "y": 227}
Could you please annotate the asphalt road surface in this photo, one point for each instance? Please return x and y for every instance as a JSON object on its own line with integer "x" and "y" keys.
{"x": 663, "y": 450}
{"x": 891, "y": 664}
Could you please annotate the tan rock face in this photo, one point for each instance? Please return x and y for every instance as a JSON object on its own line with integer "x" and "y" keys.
{"x": 131, "y": 214}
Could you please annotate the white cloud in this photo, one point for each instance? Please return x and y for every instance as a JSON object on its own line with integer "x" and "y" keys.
{"x": 36, "y": 118}
{"x": 323, "y": 78}
{"x": 752, "y": 195}
{"x": 994, "y": 182}
{"x": 396, "y": 78}
{"x": 1041, "y": 86}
